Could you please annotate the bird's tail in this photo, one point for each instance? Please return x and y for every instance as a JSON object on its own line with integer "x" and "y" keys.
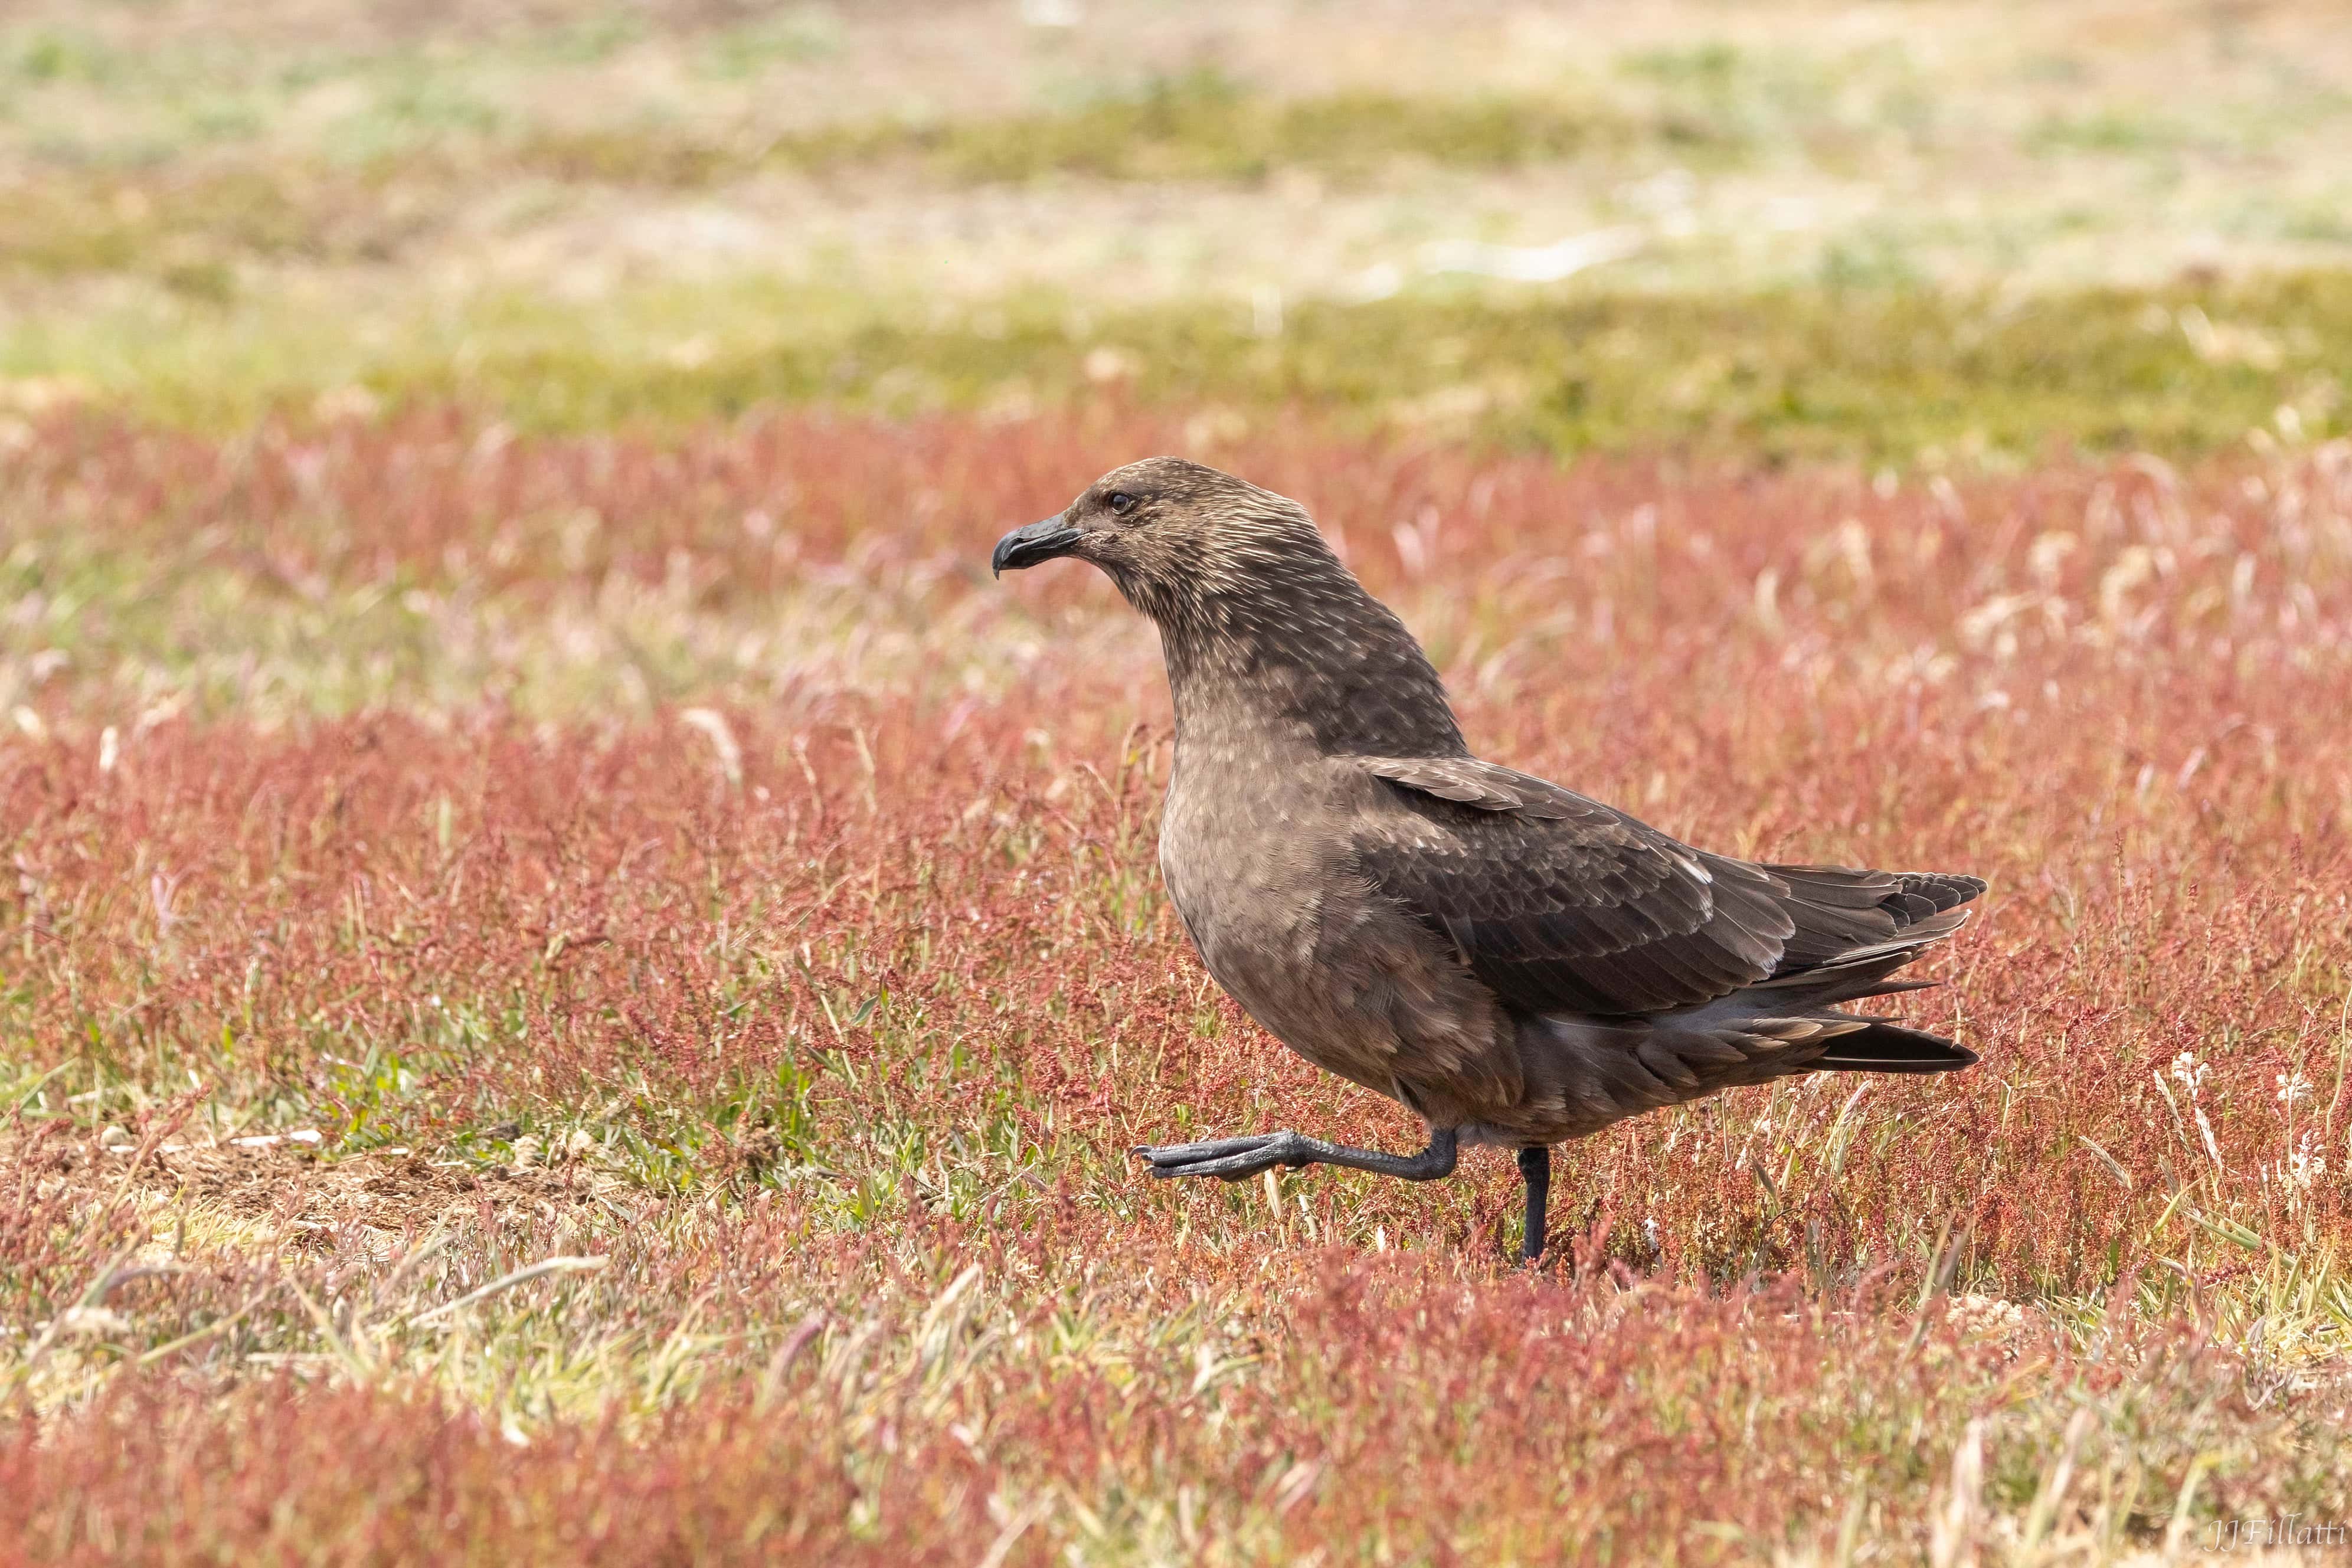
{"x": 1801, "y": 1009}
{"x": 1859, "y": 972}
{"x": 1882, "y": 1046}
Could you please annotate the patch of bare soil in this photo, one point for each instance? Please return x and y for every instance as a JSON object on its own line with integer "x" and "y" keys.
{"x": 292, "y": 1182}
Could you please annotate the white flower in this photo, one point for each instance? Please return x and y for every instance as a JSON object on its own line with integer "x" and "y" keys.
{"x": 2293, "y": 1089}
{"x": 2305, "y": 1165}
{"x": 2189, "y": 1072}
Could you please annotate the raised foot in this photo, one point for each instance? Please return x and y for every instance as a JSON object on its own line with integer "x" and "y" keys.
{"x": 1232, "y": 1159}
{"x": 1235, "y": 1158}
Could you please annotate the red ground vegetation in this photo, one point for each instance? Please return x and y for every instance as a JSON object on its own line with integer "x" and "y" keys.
{"x": 435, "y": 496}
{"x": 887, "y": 991}
{"x": 1401, "y": 1412}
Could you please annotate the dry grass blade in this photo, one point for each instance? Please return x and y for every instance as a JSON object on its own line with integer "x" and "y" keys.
{"x": 523, "y": 1276}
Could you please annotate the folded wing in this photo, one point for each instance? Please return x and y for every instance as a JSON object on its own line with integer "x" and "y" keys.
{"x": 1562, "y": 904}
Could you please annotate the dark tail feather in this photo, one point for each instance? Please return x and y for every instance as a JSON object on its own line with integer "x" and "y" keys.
{"x": 1941, "y": 890}
{"x": 1863, "y": 972}
{"x": 1886, "y": 1047}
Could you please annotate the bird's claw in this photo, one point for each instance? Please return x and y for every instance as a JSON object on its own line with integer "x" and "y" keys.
{"x": 1230, "y": 1159}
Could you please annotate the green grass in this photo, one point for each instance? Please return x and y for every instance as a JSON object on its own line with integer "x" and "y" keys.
{"x": 1893, "y": 372}
{"x": 1198, "y": 126}
{"x": 167, "y": 217}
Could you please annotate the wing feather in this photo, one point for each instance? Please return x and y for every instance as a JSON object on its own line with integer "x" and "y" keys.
{"x": 1564, "y": 904}
{"x": 1559, "y": 902}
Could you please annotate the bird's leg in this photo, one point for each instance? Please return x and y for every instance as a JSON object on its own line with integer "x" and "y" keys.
{"x": 1535, "y": 1165}
{"x": 1237, "y": 1158}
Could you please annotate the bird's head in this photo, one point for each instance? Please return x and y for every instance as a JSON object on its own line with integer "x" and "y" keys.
{"x": 1170, "y": 532}
{"x": 1257, "y": 617}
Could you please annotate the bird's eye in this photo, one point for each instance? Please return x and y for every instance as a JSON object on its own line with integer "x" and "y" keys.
{"x": 1120, "y": 501}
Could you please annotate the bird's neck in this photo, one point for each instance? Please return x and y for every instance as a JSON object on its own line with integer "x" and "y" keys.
{"x": 1312, "y": 664}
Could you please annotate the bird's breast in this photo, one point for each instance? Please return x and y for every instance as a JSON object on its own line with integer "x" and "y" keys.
{"x": 1244, "y": 847}
{"x": 1260, "y": 863}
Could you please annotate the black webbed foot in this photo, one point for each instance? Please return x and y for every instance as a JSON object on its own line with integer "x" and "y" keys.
{"x": 1232, "y": 1159}
{"x": 1235, "y": 1159}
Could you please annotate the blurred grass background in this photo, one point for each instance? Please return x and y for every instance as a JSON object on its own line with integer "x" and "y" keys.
{"x": 1914, "y": 231}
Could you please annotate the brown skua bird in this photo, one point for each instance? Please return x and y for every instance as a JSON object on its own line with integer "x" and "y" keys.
{"x": 1517, "y": 964}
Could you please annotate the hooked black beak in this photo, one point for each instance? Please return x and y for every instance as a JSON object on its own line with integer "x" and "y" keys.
{"x": 1027, "y": 547}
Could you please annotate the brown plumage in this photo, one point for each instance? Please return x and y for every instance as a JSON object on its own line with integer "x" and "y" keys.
{"x": 1517, "y": 964}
